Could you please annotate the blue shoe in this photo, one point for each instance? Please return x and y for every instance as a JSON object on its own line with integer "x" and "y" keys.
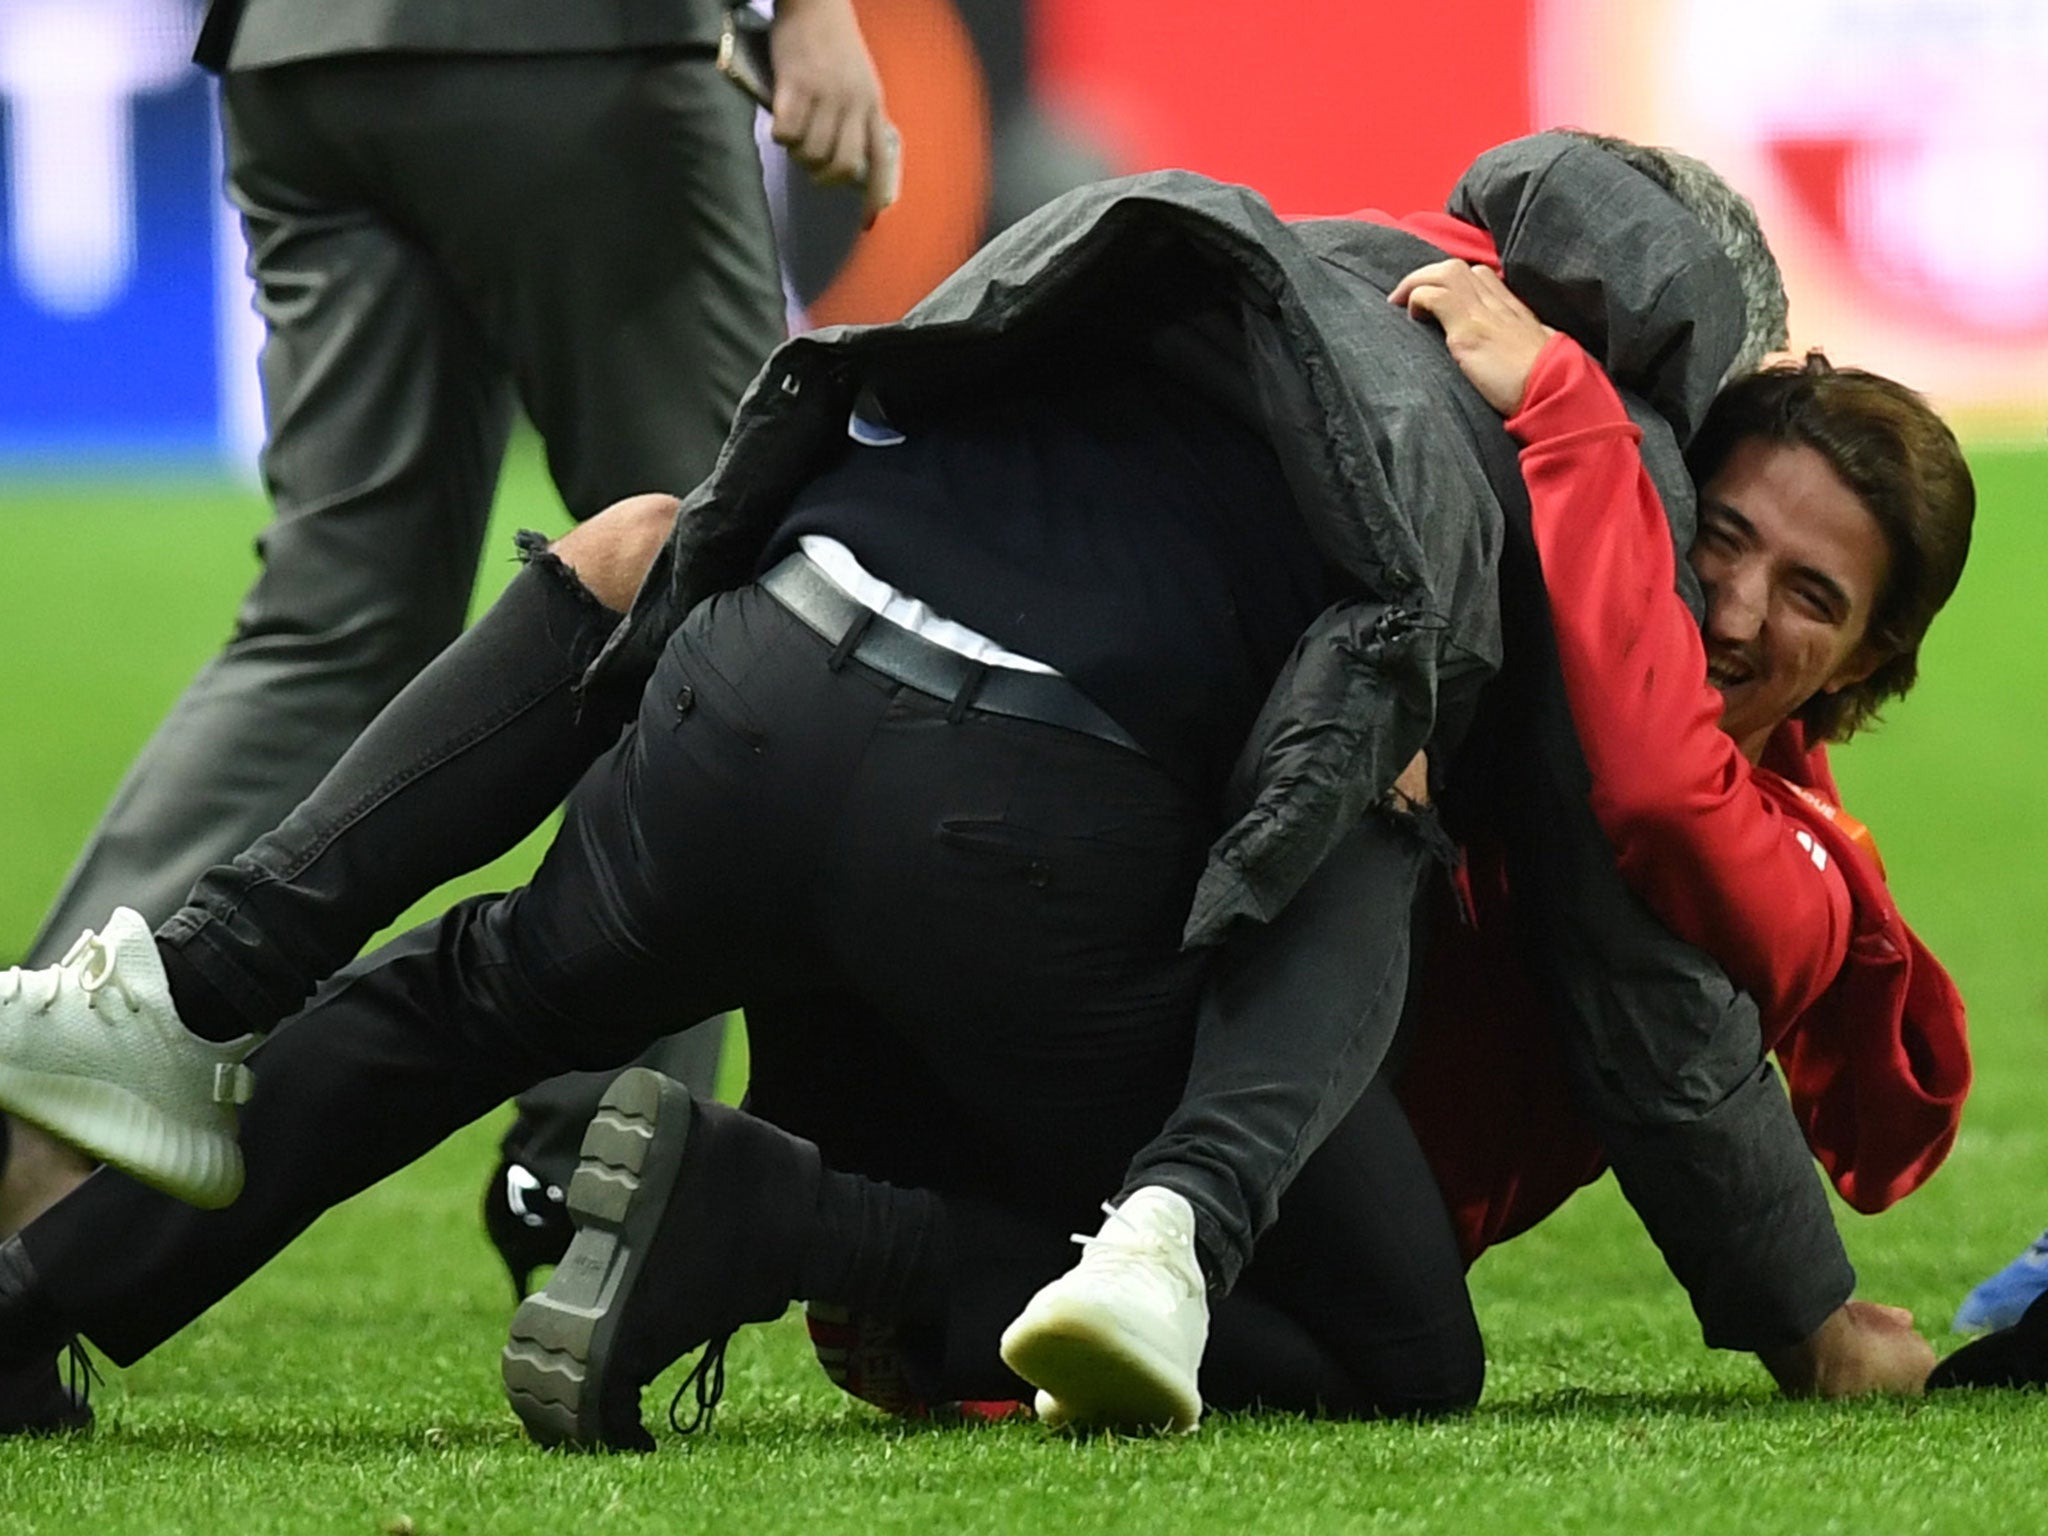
{"x": 1999, "y": 1301}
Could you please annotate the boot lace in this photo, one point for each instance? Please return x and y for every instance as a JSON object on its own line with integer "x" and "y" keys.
{"x": 89, "y": 965}
{"x": 80, "y": 1374}
{"x": 707, "y": 1379}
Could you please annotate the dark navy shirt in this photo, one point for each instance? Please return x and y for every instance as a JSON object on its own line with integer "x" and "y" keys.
{"x": 1119, "y": 528}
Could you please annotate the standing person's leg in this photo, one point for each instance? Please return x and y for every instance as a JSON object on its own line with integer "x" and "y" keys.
{"x": 604, "y": 219}
{"x": 387, "y": 419}
{"x": 556, "y": 294}
{"x": 386, "y": 422}
{"x": 634, "y": 297}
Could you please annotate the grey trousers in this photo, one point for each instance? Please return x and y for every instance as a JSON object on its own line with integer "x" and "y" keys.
{"x": 435, "y": 239}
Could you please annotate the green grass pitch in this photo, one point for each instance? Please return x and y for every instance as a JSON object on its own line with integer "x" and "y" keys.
{"x": 352, "y": 1386}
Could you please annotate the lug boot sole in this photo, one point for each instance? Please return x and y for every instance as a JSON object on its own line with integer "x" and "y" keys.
{"x": 558, "y": 1358}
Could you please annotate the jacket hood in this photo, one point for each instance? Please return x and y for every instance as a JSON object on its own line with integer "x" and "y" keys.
{"x": 1666, "y": 324}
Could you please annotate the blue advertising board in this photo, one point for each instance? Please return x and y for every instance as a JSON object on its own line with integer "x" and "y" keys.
{"x": 111, "y": 295}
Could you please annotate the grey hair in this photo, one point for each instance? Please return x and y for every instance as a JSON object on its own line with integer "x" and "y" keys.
{"x": 1730, "y": 219}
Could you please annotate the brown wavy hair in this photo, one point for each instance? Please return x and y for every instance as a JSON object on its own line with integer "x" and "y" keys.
{"x": 1903, "y": 463}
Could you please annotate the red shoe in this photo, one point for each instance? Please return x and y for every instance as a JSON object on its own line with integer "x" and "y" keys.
{"x": 864, "y": 1358}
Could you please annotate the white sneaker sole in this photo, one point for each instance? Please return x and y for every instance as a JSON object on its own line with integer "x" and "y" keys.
{"x": 202, "y": 1167}
{"x": 1097, "y": 1372}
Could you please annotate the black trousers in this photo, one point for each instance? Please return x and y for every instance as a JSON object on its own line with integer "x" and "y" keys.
{"x": 473, "y": 756}
{"x": 989, "y": 908}
{"x": 1354, "y": 1304}
{"x": 1007, "y": 895}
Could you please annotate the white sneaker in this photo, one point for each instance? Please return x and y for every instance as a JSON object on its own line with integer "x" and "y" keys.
{"x": 93, "y": 1051}
{"x": 1117, "y": 1340}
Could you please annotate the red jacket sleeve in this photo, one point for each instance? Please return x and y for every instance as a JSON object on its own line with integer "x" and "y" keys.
{"x": 1717, "y": 860}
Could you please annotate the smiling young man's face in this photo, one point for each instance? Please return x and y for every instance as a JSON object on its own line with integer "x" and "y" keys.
{"x": 1792, "y": 564}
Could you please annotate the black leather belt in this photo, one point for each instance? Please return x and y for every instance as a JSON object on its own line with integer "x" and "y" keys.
{"x": 857, "y": 633}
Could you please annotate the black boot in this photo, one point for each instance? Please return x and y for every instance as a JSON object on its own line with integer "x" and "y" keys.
{"x": 37, "y": 1398}
{"x": 31, "y": 1327}
{"x": 34, "y": 1400}
{"x": 2011, "y": 1357}
{"x": 526, "y": 1217}
{"x": 691, "y": 1220}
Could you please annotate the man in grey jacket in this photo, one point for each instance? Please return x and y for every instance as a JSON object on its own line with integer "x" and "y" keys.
{"x": 946, "y": 867}
{"x": 456, "y": 208}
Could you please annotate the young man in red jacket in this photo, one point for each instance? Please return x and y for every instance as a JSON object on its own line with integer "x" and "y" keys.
{"x": 1835, "y": 516}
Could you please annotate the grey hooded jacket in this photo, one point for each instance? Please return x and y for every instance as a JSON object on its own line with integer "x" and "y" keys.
{"x": 1399, "y": 467}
